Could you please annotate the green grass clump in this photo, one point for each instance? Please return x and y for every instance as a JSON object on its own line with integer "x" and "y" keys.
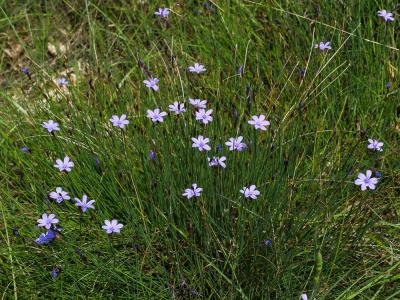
{"x": 327, "y": 238}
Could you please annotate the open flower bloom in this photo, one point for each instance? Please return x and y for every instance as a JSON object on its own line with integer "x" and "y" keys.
{"x": 59, "y": 195}
{"x": 120, "y": 122}
{"x": 204, "y": 116}
{"x": 162, "y": 12}
{"x": 156, "y": 115}
{"x": 323, "y": 46}
{"x": 84, "y": 204}
{"x": 375, "y": 145}
{"x": 50, "y": 125}
{"x": 197, "y": 103}
{"x": 65, "y": 165}
{"x": 201, "y": 143}
{"x": 236, "y": 144}
{"x": 385, "y": 15}
{"x": 217, "y": 161}
{"x": 152, "y": 83}
{"x": 250, "y": 192}
{"x": 46, "y": 238}
{"x": 47, "y": 220}
{"x": 366, "y": 181}
{"x": 259, "y": 122}
{"x": 193, "y": 192}
{"x": 197, "y": 68}
{"x": 112, "y": 226}
{"x": 177, "y": 107}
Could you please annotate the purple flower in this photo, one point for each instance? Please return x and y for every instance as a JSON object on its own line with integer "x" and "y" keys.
{"x": 47, "y": 220}
{"x": 217, "y": 161}
{"x": 162, "y": 12}
{"x": 62, "y": 81}
{"x": 50, "y": 125}
{"x": 204, "y": 116}
{"x": 388, "y": 86}
{"x": 375, "y": 145}
{"x": 152, "y": 83}
{"x": 323, "y": 46}
{"x": 250, "y": 192}
{"x": 259, "y": 122}
{"x": 236, "y": 144}
{"x": 219, "y": 148}
{"x": 193, "y": 192}
{"x": 46, "y": 238}
{"x": 25, "y": 71}
{"x": 201, "y": 143}
{"x": 385, "y": 15}
{"x": 84, "y": 204}
{"x": 378, "y": 174}
{"x": 177, "y": 107}
{"x": 304, "y": 297}
{"x": 65, "y": 165}
{"x": 366, "y": 180}
{"x": 152, "y": 154}
{"x": 59, "y": 195}
{"x": 197, "y": 68}
{"x": 120, "y": 122}
{"x": 156, "y": 115}
{"x": 25, "y": 149}
{"x": 197, "y": 103}
{"x": 54, "y": 273}
{"x": 112, "y": 226}
{"x": 267, "y": 243}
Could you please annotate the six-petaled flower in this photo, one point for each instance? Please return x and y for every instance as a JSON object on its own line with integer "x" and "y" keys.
{"x": 64, "y": 165}
{"x": 84, "y": 204}
{"x": 201, "y": 143}
{"x": 112, "y": 226}
{"x": 120, "y": 122}
{"x": 59, "y": 195}
{"x": 386, "y": 15}
{"x": 197, "y": 68}
{"x": 47, "y": 220}
{"x": 259, "y": 122}
{"x": 192, "y": 192}
{"x": 323, "y": 46}
{"x": 236, "y": 144}
{"x": 156, "y": 115}
{"x": 50, "y": 125}
{"x": 197, "y": 103}
{"x": 152, "y": 83}
{"x": 177, "y": 107}
{"x": 375, "y": 145}
{"x": 217, "y": 161}
{"x": 250, "y": 192}
{"x": 204, "y": 116}
{"x": 366, "y": 181}
{"x": 162, "y": 12}
{"x": 62, "y": 81}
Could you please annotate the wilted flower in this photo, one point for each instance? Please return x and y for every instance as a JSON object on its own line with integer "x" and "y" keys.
{"x": 193, "y": 192}
{"x": 162, "y": 12}
{"x": 50, "y": 125}
{"x": 259, "y": 122}
{"x": 54, "y": 273}
{"x": 218, "y": 148}
{"x": 59, "y": 195}
{"x": 267, "y": 243}
{"x": 177, "y": 107}
{"x": 47, "y": 220}
{"x": 25, "y": 149}
{"x": 201, "y": 143}
{"x": 323, "y": 46}
{"x": 152, "y": 154}
{"x": 197, "y": 68}
{"x": 236, "y": 144}
{"x": 204, "y": 116}
{"x": 375, "y": 145}
{"x": 385, "y": 15}
{"x": 156, "y": 115}
{"x": 65, "y": 165}
{"x": 62, "y": 81}
{"x": 366, "y": 180}
{"x": 46, "y": 238}
{"x": 152, "y": 83}
{"x": 197, "y": 103}
{"x": 378, "y": 174}
{"x": 25, "y": 71}
{"x": 250, "y": 192}
{"x": 388, "y": 86}
{"x": 120, "y": 122}
{"x": 217, "y": 161}
{"x": 112, "y": 226}
{"x": 84, "y": 204}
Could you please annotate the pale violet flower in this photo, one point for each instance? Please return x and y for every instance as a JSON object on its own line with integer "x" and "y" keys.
{"x": 50, "y": 125}
{"x": 197, "y": 103}
{"x": 47, "y": 220}
{"x": 62, "y": 81}
{"x": 120, "y": 122}
{"x": 217, "y": 161}
{"x": 65, "y": 165}
{"x": 84, "y": 204}
{"x": 204, "y": 116}
{"x": 162, "y": 12}
{"x": 152, "y": 83}
{"x": 156, "y": 115}
{"x": 193, "y": 192}
{"x": 59, "y": 195}
{"x": 375, "y": 145}
{"x": 197, "y": 68}
{"x": 366, "y": 181}
{"x": 112, "y": 226}
{"x": 386, "y": 16}
{"x": 236, "y": 144}
{"x": 201, "y": 143}
{"x": 304, "y": 297}
{"x": 259, "y": 122}
{"x": 323, "y": 46}
{"x": 250, "y": 192}
{"x": 177, "y": 107}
